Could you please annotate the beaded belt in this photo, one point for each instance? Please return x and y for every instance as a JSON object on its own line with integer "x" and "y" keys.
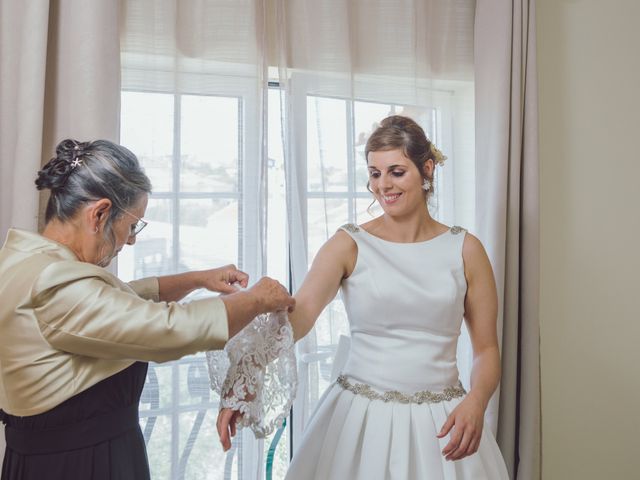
{"x": 424, "y": 396}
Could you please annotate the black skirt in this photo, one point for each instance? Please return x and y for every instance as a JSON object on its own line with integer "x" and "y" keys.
{"x": 94, "y": 435}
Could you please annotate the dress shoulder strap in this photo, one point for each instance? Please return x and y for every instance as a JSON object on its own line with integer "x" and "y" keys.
{"x": 350, "y": 228}
{"x": 458, "y": 233}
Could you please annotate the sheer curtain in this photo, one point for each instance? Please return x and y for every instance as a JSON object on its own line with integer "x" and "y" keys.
{"x": 193, "y": 109}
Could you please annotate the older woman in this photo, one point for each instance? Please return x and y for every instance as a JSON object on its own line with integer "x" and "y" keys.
{"x": 75, "y": 338}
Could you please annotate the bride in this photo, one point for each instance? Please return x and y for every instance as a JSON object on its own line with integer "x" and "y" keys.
{"x": 398, "y": 409}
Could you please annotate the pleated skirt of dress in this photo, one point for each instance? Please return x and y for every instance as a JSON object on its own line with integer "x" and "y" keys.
{"x": 351, "y": 437}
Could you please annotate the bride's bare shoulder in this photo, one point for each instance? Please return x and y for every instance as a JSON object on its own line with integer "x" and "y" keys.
{"x": 341, "y": 248}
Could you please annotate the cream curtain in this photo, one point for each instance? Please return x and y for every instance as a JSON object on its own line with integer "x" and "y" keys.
{"x": 59, "y": 64}
{"x": 507, "y": 215}
{"x": 23, "y": 58}
{"x": 60, "y": 78}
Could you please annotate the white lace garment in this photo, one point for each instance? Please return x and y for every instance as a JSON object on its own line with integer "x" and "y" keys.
{"x": 256, "y": 373}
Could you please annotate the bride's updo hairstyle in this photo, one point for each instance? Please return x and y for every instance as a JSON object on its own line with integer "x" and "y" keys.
{"x": 402, "y": 133}
{"x": 83, "y": 172}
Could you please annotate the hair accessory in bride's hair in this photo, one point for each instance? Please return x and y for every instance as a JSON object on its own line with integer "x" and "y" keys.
{"x": 437, "y": 155}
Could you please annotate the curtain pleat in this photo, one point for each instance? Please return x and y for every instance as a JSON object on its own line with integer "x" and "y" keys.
{"x": 23, "y": 59}
{"x": 508, "y": 216}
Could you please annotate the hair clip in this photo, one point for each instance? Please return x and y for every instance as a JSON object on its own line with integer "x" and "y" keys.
{"x": 76, "y": 162}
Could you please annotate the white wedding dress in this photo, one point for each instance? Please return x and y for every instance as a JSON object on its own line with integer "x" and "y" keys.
{"x": 405, "y": 303}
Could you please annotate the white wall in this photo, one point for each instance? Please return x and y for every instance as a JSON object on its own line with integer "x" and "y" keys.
{"x": 589, "y": 72}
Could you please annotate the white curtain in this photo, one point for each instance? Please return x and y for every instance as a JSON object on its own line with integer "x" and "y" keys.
{"x": 59, "y": 63}
{"x": 193, "y": 110}
{"x": 508, "y": 215}
{"x": 200, "y": 49}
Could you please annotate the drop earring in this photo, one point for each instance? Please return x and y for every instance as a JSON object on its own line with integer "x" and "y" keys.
{"x": 426, "y": 185}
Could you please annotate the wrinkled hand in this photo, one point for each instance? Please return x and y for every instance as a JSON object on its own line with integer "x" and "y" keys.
{"x": 222, "y": 279}
{"x": 466, "y": 422}
{"x": 226, "y": 425}
{"x": 272, "y": 296}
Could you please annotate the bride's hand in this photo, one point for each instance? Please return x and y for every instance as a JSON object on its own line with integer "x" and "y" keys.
{"x": 466, "y": 421}
{"x": 226, "y": 425}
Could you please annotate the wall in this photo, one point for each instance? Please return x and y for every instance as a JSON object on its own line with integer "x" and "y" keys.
{"x": 589, "y": 73}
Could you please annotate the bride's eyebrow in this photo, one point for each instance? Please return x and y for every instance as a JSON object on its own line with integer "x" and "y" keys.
{"x": 390, "y": 167}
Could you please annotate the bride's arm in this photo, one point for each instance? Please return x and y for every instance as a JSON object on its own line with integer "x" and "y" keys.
{"x": 335, "y": 261}
{"x": 481, "y": 311}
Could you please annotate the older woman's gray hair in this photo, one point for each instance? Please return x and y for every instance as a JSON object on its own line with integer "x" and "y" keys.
{"x": 83, "y": 172}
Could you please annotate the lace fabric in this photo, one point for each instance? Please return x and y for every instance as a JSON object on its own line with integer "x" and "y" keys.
{"x": 256, "y": 373}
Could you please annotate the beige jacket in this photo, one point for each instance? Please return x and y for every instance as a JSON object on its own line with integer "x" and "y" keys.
{"x": 66, "y": 325}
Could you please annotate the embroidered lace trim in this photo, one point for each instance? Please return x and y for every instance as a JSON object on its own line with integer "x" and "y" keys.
{"x": 256, "y": 373}
{"x": 424, "y": 396}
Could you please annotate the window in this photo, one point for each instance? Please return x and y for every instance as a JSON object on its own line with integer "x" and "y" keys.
{"x": 196, "y": 195}
{"x": 201, "y": 215}
{"x": 201, "y": 151}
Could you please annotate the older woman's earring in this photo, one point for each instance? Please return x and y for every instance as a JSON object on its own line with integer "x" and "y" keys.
{"x": 96, "y": 230}
{"x": 426, "y": 184}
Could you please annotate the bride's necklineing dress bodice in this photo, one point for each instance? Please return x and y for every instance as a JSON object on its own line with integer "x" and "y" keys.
{"x": 405, "y": 303}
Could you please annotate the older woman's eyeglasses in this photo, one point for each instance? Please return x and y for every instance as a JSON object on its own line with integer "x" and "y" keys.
{"x": 137, "y": 227}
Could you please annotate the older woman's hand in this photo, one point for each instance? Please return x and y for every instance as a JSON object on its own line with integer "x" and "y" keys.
{"x": 222, "y": 279}
{"x": 172, "y": 288}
